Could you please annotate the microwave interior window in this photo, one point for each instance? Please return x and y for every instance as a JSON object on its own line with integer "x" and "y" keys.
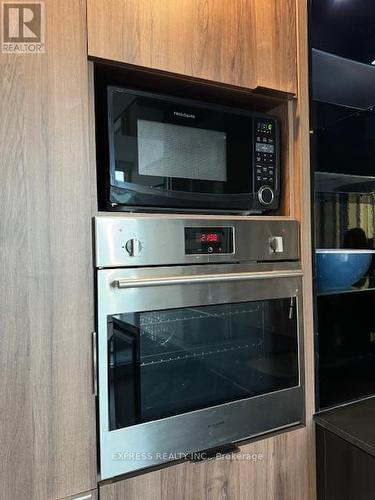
{"x": 167, "y": 362}
{"x": 181, "y": 152}
{"x": 161, "y": 149}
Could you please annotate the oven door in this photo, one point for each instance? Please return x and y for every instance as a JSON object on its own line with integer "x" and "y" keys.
{"x": 174, "y": 153}
{"x": 195, "y": 357}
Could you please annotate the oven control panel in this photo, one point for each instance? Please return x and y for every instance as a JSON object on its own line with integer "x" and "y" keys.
{"x": 209, "y": 240}
{"x": 265, "y": 174}
{"x": 132, "y": 241}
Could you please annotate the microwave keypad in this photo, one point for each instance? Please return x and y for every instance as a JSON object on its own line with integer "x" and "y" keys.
{"x": 265, "y": 154}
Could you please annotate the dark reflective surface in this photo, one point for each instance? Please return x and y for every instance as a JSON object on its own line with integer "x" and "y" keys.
{"x": 344, "y": 28}
{"x": 346, "y": 324}
{"x": 168, "y": 362}
{"x": 344, "y": 139}
{"x": 344, "y": 220}
{"x": 343, "y": 162}
{"x": 166, "y": 146}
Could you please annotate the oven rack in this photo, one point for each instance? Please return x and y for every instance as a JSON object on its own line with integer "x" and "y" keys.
{"x": 201, "y": 315}
{"x": 196, "y": 354}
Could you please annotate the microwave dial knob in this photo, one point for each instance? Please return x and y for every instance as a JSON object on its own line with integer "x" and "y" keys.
{"x": 266, "y": 195}
{"x": 133, "y": 247}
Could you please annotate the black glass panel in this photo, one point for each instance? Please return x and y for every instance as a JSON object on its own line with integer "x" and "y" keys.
{"x": 166, "y": 146}
{"x": 344, "y": 27}
{"x": 205, "y": 240}
{"x": 343, "y": 140}
{"x": 164, "y": 363}
{"x": 342, "y": 120}
{"x": 346, "y": 323}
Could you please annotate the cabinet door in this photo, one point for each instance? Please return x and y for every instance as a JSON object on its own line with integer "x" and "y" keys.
{"x": 277, "y": 468}
{"x": 47, "y": 430}
{"x": 247, "y": 43}
{"x": 344, "y": 471}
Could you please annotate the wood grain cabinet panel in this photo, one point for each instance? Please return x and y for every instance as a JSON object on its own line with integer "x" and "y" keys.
{"x": 246, "y": 43}
{"x": 273, "y": 469}
{"x": 47, "y": 409}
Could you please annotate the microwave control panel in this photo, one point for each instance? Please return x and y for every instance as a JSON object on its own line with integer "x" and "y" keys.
{"x": 265, "y": 156}
{"x": 209, "y": 240}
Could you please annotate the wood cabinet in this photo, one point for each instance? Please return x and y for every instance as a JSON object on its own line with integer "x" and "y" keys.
{"x": 272, "y": 469}
{"x": 247, "y": 43}
{"x": 47, "y": 431}
{"x": 47, "y": 197}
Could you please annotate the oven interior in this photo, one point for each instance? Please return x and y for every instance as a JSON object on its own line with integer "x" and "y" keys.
{"x": 167, "y": 362}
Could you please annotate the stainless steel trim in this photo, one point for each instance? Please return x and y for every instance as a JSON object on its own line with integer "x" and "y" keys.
{"x": 94, "y": 363}
{"x": 204, "y": 278}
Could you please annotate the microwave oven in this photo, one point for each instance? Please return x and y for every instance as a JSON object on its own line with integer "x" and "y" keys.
{"x": 163, "y": 153}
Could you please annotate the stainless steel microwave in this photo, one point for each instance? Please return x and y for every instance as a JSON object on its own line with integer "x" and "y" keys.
{"x": 164, "y": 153}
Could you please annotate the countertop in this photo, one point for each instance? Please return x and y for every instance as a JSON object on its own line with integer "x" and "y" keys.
{"x": 354, "y": 422}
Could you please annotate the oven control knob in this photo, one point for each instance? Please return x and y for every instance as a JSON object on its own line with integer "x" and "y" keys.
{"x": 266, "y": 195}
{"x": 276, "y": 244}
{"x": 133, "y": 247}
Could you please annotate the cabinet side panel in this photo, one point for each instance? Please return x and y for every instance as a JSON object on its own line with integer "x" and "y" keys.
{"x": 47, "y": 432}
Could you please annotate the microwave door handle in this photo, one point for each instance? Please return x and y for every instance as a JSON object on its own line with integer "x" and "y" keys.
{"x": 203, "y": 278}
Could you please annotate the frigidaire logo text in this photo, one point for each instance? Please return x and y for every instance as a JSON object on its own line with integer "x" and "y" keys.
{"x": 184, "y": 115}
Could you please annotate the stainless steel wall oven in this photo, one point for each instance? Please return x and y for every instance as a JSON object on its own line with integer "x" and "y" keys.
{"x": 199, "y": 335}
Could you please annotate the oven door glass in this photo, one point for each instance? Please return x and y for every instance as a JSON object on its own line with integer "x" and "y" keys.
{"x": 167, "y": 362}
{"x": 167, "y": 153}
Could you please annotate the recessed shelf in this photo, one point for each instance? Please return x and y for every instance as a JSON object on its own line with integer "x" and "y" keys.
{"x": 326, "y": 182}
{"x": 366, "y": 284}
{"x": 340, "y": 81}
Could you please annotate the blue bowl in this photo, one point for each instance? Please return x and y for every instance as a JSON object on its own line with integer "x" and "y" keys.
{"x": 339, "y": 269}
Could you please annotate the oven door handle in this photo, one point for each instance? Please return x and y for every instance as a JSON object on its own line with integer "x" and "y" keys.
{"x": 203, "y": 278}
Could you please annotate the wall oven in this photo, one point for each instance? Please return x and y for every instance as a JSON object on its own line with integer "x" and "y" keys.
{"x": 199, "y": 335}
{"x": 166, "y": 153}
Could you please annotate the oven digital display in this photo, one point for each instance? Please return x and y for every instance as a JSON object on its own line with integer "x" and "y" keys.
{"x": 209, "y": 237}
{"x": 208, "y": 240}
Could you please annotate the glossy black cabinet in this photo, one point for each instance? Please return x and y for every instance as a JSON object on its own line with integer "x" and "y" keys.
{"x": 345, "y": 439}
{"x": 346, "y": 325}
{"x": 344, "y": 472}
{"x": 342, "y": 123}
